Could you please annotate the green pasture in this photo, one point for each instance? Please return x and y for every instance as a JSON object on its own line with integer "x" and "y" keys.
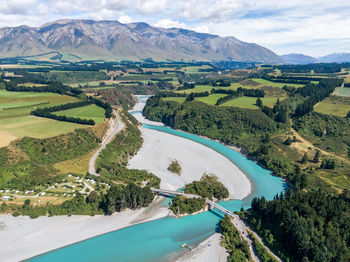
{"x": 175, "y": 99}
{"x": 334, "y": 105}
{"x": 250, "y": 102}
{"x": 274, "y": 84}
{"x": 211, "y": 99}
{"x": 16, "y": 121}
{"x": 204, "y": 88}
{"x": 86, "y": 112}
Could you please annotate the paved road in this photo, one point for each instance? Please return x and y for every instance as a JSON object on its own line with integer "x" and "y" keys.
{"x": 116, "y": 125}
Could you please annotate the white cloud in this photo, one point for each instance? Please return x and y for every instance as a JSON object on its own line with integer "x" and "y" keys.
{"x": 167, "y": 23}
{"x": 151, "y": 6}
{"x": 201, "y": 29}
{"x": 125, "y": 19}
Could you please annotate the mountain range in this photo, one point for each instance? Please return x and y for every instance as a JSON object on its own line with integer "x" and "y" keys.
{"x": 111, "y": 40}
{"x": 304, "y": 59}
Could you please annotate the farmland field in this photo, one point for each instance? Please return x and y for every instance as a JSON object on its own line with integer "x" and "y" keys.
{"x": 334, "y": 105}
{"x": 269, "y": 83}
{"x": 70, "y": 77}
{"x": 342, "y": 91}
{"x": 212, "y": 99}
{"x": 175, "y": 99}
{"x": 249, "y": 102}
{"x": 204, "y": 88}
{"x": 16, "y": 121}
{"x": 86, "y": 112}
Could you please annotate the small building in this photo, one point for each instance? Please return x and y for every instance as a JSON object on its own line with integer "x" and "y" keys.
{"x": 6, "y": 198}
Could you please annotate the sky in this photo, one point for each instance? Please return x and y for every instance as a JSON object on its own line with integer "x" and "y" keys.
{"x": 312, "y": 27}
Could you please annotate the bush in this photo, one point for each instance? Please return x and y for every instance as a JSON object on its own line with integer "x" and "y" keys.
{"x": 16, "y": 214}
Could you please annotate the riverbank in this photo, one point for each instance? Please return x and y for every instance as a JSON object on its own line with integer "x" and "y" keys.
{"x": 207, "y": 251}
{"x": 23, "y": 237}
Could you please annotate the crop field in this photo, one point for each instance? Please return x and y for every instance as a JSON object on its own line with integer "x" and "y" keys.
{"x": 211, "y": 100}
{"x": 334, "y": 105}
{"x": 86, "y": 112}
{"x": 249, "y": 102}
{"x": 175, "y": 99}
{"x": 16, "y": 121}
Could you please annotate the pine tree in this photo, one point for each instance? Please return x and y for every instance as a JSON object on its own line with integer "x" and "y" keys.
{"x": 259, "y": 103}
{"x": 304, "y": 159}
{"x": 288, "y": 141}
{"x": 317, "y": 156}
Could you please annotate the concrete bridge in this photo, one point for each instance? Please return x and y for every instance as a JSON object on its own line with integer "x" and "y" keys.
{"x": 209, "y": 202}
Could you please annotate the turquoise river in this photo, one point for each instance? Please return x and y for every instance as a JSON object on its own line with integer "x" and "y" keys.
{"x": 161, "y": 239}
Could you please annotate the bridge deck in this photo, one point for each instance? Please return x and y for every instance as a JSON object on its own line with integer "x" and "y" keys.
{"x": 211, "y": 203}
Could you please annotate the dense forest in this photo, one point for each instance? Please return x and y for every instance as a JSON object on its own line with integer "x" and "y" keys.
{"x": 227, "y": 124}
{"x": 183, "y": 205}
{"x": 304, "y": 226}
{"x": 131, "y": 196}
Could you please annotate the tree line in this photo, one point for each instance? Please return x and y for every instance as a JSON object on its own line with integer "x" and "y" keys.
{"x": 47, "y": 112}
{"x": 329, "y": 68}
{"x": 287, "y": 80}
{"x": 314, "y": 94}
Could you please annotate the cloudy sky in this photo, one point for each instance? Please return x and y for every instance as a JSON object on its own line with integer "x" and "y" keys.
{"x": 313, "y": 27}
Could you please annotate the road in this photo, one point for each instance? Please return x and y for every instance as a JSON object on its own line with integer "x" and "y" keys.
{"x": 115, "y": 126}
{"x": 242, "y": 228}
{"x": 235, "y": 219}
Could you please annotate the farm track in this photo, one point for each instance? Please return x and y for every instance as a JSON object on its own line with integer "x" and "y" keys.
{"x": 115, "y": 126}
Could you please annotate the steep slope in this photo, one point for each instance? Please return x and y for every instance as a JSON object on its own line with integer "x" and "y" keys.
{"x": 135, "y": 41}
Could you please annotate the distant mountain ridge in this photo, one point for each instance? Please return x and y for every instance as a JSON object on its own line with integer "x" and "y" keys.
{"x": 304, "y": 59}
{"x": 111, "y": 40}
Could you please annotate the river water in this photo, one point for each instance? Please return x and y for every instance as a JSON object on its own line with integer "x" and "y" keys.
{"x": 161, "y": 239}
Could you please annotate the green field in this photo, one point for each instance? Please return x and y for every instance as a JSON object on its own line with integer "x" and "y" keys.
{"x": 7, "y": 106}
{"x": 175, "y": 99}
{"x": 274, "y": 84}
{"x": 16, "y": 121}
{"x": 194, "y": 69}
{"x": 211, "y": 100}
{"x": 253, "y": 83}
{"x": 249, "y": 102}
{"x": 204, "y": 88}
{"x": 334, "y": 105}
{"x": 86, "y": 112}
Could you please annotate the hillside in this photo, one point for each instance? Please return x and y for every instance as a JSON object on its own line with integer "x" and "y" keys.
{"x": 111, "y": 40}
{"x": 305, "y": 59}
{"x": 298, "y": 59}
